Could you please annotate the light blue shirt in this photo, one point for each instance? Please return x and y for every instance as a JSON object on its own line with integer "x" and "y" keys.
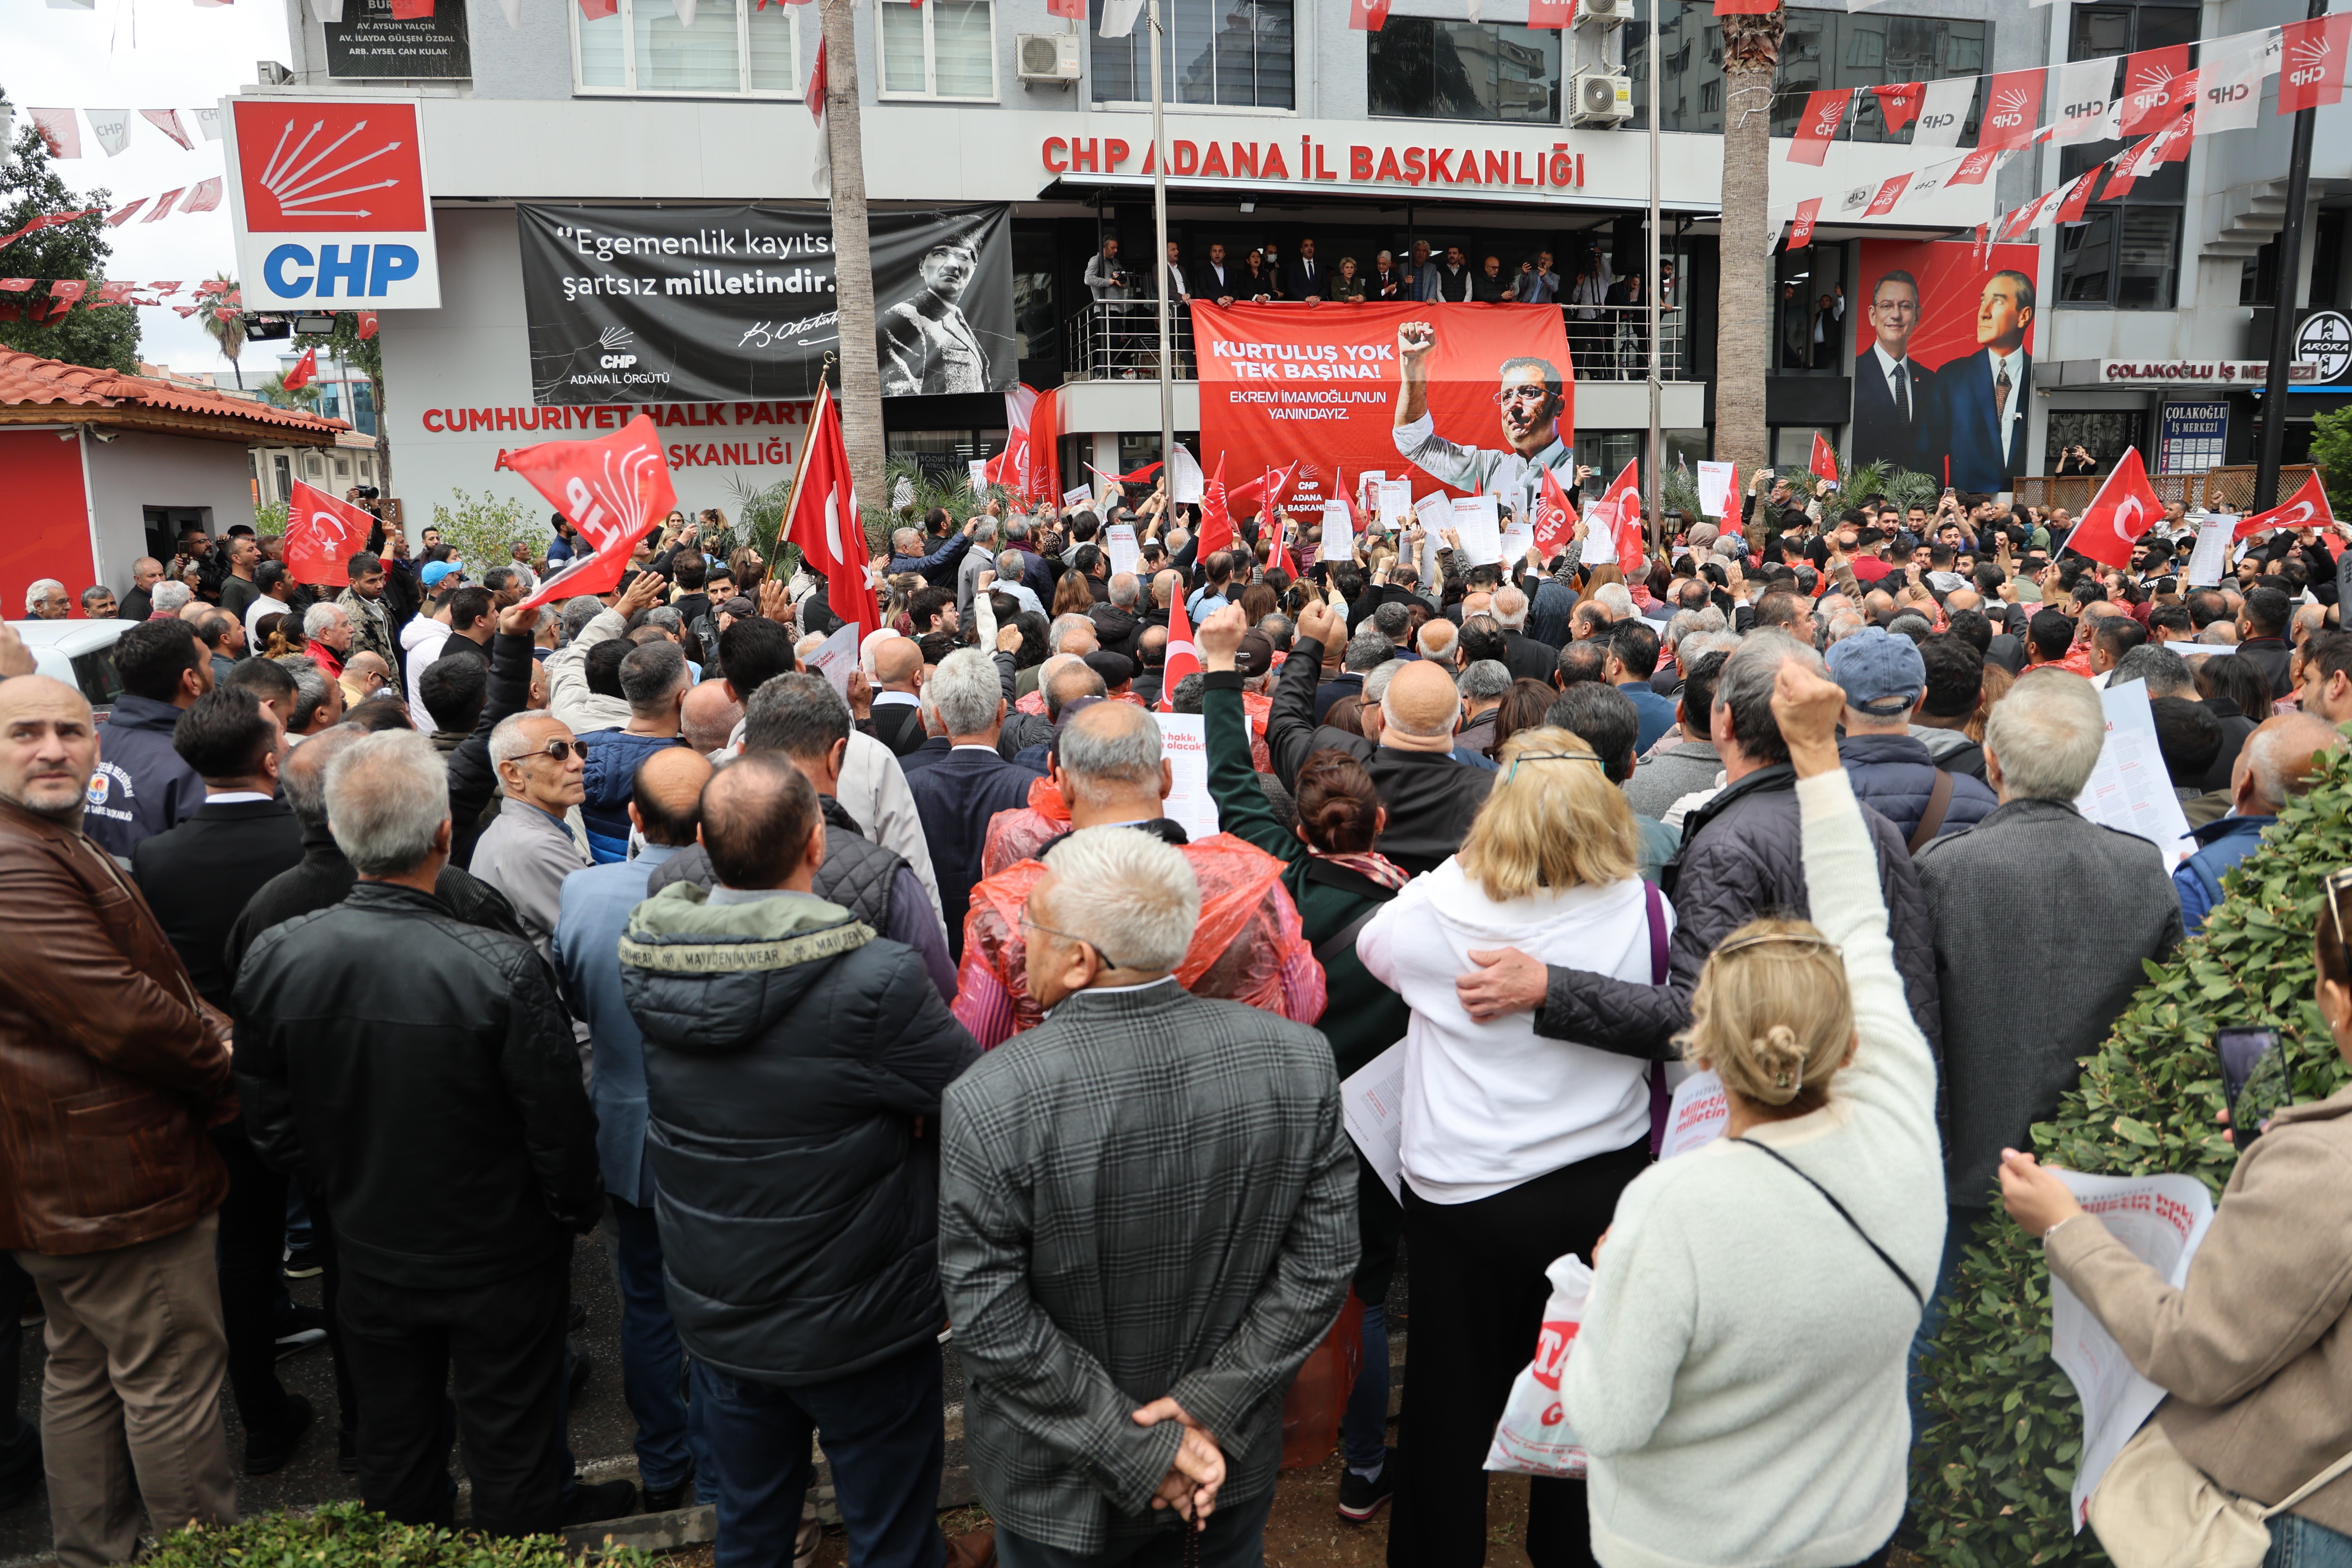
{"x": 596, "y": 907}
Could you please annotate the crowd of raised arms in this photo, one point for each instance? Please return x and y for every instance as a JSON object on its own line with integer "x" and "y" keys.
{"x": 985, "y": 986}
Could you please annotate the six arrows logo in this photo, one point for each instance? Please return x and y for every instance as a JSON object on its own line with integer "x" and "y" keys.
{"x": 325, "y": 167}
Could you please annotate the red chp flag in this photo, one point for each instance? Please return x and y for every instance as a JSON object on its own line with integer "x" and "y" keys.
{"x": 2079, "y": 194}
{"x": 1044, "y": 438}
{"x": 2152, "y": 88}
{"x": 1550, "y": 13}
{"x": 2126, "y": 507}
{"x": 1824, "y": 464}
{"x": 2013, "y": 105}
{"x": 305, "y": 371}
{"x": 1889, "y": 193}
{"x": 1371, "y": 15}
{"x": 1745, "y": 8}
{"x": 1555, "y": 520}
{"x": 1216, "y": 516}
{"x": 321, "y": 534}
{"x": 2311, "y": 56}
{"x": 1898, "y": 104}
{"x": 1823, "y": 111}
{"x": 1010, "y": 468}
{"x": 1801, "y": 231}
{"x": 823, "y": 520}
{"x": 613, "y": 490}
{"x": 1183, "y": 657}
{"x": 2307, "y": 508}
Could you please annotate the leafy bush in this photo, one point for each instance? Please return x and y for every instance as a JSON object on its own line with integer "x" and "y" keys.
{"x": 346, "y": 1536}
{"x": 2331, "y": 448}
{"x": 478, "y": 530}
{"x": 1994, "y": 1468}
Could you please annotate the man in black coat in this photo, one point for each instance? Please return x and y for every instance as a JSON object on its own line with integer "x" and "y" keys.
{"x": 794, "y": 1062}
{"x": 423, "y": 1072}
{"x": 958, "y": 794}
{"x": 192, "y": 875}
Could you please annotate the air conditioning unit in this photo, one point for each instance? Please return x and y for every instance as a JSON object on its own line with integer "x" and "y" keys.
{"x": 1604, "y": 14}
{"x": 1602, "y": 98}
{"x": 1049, "y": 57}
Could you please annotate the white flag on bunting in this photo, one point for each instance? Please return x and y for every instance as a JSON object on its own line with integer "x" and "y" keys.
{"x": 1943, "y": 110}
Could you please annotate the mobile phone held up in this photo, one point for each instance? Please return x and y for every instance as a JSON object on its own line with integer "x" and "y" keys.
{"x": 2243, "y": 1053}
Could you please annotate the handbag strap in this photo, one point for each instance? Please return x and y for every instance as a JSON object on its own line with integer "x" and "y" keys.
{"x": 1832, "y": 1199}
{"x": 2311, "y": 1486}
{"x": 1940, "y": 801}
{"x": 1657, "y": 902}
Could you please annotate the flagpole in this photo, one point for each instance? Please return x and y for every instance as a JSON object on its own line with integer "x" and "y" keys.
{"x": 1159, "y": 249}
{"x": 2290, "y": 267}
{"x": 817, "y": 421}
{"x": 1650, "y": 291}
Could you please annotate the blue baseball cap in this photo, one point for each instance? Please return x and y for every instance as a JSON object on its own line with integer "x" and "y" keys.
{"x": 1881, "y": 671}
{"x": 434, "y": 574}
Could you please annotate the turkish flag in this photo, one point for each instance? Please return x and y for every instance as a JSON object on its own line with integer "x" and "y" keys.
{"x": 2311, "y": 70}
{"x": 1010, "y": 468}
{"x": 65, "y": 293}
{"x": 1801, "y": 232}
{"x": 2126, "y": 507}
{"x": 824, "y": 519}
{"x": 1044, "y": 439}
{"x": 1898, "y": 103}
{"x": 613, "y": 490}
{"x": 321, "y": 534}
{"x": 125, "y": 213}
{"x": 2307, "y": 508}
{"x": 1555, "y": 520}
{"x": 1267, "y": 489}
{"x": 1216, "y": 517}
{"x": 2012, "y": 104}
{"x": 367, "y": 325}
{"x": 305, "y": 371}
{"x": 1621, "y": 511}
{"x": 1278, "y": 558}
{"x": 2152, "y": 86}
{"x": 1182, "y": 658}
{"x": 1824, "y": 463}
{"x": 1823, "y": 111}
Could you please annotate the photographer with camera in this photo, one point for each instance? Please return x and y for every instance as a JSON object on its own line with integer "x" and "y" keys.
{"x": 1113, "y": 288}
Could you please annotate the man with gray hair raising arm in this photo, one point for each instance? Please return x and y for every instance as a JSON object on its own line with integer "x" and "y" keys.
{"x": 1131, "y": 1322}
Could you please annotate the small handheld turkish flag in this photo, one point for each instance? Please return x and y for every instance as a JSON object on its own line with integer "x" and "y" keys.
{"x": 1555, "y": 520}
{"x": 2126, "y": 507}
{"x": 1216, "y": 515}
{"x": 305, "y": 371}
{"x": 321, "y": 534}
{"x": 1183, "y": 657}
{"x": 1824, "y": 458}
{"x": 613, "y": 490}
{"x": 2307, "y": 508}
{"x": 823, "y": 520}
{"x": 1625, "y": 515}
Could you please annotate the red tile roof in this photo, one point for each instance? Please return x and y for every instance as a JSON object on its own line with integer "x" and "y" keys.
{"x": 27, "y": 381}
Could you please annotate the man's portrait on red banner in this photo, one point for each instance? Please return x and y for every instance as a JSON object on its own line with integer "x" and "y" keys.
{"x": 1531, "y": 399}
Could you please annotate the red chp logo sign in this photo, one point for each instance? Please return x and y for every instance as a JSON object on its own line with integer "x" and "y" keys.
{"x": 309, "y": 167}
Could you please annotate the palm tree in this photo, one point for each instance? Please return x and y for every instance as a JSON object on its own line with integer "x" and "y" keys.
{"x": 853, "y": 260}
{"x": 229, "y": 332}
{"x": 1751, "y": 60}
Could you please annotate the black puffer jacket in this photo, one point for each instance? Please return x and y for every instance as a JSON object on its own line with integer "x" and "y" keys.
{"x": 857, "y": 873}
{"x": 788, "y": 1052}
{"x": 1894, "y": 775}
{"x": 1742, "y": 857}
{"x": 1115, "y": 628}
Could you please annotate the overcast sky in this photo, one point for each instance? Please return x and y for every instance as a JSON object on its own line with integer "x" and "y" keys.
{"x": 135, "y": 54}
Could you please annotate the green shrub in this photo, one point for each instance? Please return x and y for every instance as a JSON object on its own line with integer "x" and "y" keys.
{"x": 479, "y": 530}
{"x": 346, "y": 1536}
{"x": 1993, "y": 1471}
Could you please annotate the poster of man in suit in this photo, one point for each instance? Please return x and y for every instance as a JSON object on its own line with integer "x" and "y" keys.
{"x": 1943, "y": 361}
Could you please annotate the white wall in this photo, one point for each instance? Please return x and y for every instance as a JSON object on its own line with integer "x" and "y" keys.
{"x": 136, "y": 470}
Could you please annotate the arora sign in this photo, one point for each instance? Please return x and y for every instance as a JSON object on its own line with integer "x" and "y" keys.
{"x": 330, "y": 205}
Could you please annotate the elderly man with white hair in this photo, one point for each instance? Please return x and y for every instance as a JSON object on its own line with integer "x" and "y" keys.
{"x": 1526, "y": 656}
{"x": 168, "y": 598}
{"x": 1233, "y": 1259}
{"x": 329, "y": 632}
{"x": 46, "y": 600}
{"x": 1009, "y": 567}
{"x": 529, "y": 849}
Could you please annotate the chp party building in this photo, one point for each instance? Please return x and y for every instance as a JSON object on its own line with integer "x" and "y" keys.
{"x": 618, "y": 207}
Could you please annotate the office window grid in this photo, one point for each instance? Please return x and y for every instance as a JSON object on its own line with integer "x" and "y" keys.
{"x": 736, "y": 49}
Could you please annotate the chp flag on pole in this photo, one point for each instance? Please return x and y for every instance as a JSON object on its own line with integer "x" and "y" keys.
{"x": 1216, "y": 516}
{"x": 1555, "y": 520}
{"x": 1824, "y": 463}
{"x": 613, "y": 490}
{"x": 822, "y": 519}
{"x": 2126, "y": 507}
{"x": 321, "y": 534}
{"x": 2307, "y": 508}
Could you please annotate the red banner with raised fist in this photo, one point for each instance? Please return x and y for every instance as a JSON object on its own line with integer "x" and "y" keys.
{"x": 1454, "y": 397}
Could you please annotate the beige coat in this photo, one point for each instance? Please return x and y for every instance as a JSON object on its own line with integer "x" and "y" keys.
{"x": 2255, "y": 1352}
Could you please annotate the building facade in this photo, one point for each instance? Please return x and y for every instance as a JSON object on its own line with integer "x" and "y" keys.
{"x": 1284, "y": 125}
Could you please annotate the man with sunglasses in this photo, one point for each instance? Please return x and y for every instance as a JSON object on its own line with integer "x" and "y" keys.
{"x": 1529, "y": 401}
{"x": 529, "y": 849}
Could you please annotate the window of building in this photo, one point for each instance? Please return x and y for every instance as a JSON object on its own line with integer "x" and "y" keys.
{"x": 1421, "y": 69}
{"x": 1821, "y": 49}
{"x": 2126, "y": 253}
{"x": 1233, "y": 52}
{"x": 735, "y": 48}
{"x": 946, "y": 48}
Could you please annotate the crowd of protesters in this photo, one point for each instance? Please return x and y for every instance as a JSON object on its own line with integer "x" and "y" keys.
{"x": 406, "y": 935}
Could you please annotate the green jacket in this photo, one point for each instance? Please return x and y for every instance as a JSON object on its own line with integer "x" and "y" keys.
{"x": 1361, "y": 1017}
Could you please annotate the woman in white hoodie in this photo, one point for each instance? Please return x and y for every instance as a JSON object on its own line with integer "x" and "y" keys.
{"x": 1515, "y": 1147}
{"x": 1738, "y": 1378}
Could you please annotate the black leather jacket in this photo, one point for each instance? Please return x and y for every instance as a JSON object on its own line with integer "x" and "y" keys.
{"x": 423, "y": 1071}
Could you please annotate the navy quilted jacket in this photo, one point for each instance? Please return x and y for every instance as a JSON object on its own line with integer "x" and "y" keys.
{"x": 1894, "y": 774}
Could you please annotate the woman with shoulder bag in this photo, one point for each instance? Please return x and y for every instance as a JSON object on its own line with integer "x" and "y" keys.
{"x": 1738, "y": 1380}
{"x": 2251, "y": 1453}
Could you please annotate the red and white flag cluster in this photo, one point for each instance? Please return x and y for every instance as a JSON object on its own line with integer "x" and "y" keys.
{"x": 110, "y": 128}
{"x": 64, "y": 293}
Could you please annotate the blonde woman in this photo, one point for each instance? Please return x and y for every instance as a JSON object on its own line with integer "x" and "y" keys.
{"x": 1515, "y": 1147}
{"x": 1738, "y": 1379}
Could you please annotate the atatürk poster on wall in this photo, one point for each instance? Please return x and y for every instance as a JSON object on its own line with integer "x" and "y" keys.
{"x": 711, "y": 304}
{"x": 416, "y": 39}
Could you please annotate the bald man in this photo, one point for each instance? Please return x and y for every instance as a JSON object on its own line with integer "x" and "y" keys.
{"x": 709, "y": 716}
{"x": 897, "y": 718}
{"x": 121, "y": 1249}
{"x": 2279, "y": 761}
{"x": 1431, "y": 798}
{"x": 665, "y": 807}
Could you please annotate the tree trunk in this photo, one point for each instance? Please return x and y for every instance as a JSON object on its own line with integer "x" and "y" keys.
{"x": 853, "y": 257}
{"x": 383, "y": 437}
{"x": 1751, "y": 57}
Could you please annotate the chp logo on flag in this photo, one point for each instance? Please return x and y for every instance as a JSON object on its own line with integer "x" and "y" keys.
{"x": 329, "y": 204}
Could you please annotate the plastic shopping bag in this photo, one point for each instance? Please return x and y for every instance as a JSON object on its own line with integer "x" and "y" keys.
{"x": 1533, "y": 1436}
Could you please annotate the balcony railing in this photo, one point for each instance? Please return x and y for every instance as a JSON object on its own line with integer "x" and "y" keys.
{"x": 1119, "y": 340}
